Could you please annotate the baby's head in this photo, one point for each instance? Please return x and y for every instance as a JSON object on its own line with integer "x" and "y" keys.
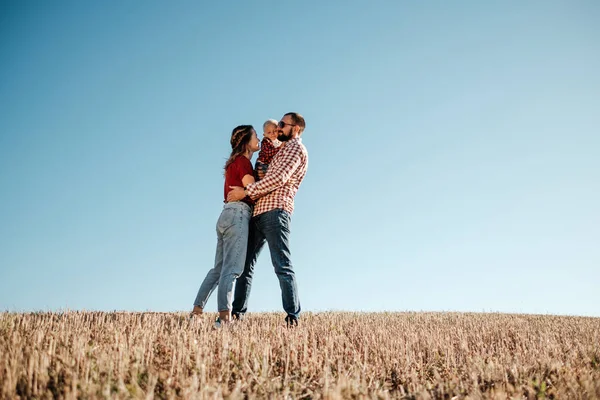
{"x": 270, "y": 129}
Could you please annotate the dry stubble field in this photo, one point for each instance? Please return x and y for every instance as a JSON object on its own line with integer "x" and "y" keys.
{"x": 331, "y": 355}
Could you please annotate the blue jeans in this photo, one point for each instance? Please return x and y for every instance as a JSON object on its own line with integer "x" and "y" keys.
{"x": 274, "y": 228}
{"x": 232, "y": 242}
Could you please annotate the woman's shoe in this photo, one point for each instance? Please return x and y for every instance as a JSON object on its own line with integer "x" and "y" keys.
{"x": 196, "y": 311}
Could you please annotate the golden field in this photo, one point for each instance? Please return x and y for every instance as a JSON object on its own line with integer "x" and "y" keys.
{"x": 330, "y": 355}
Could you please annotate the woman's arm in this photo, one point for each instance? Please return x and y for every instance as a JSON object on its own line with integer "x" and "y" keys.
{"x": 247, "y": 180}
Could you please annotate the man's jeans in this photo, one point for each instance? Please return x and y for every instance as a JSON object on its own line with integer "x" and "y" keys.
{"x": 274, "y": 228}
{"x": 232, "y": 242}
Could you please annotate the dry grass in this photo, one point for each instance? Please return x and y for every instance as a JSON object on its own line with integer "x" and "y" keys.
{"x": 331, "y": 355}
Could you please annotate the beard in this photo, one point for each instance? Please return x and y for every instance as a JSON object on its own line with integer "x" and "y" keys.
{"x": 282, "y": 137}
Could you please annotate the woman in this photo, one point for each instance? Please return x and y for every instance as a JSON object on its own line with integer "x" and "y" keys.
{"x": 232, "y": 227}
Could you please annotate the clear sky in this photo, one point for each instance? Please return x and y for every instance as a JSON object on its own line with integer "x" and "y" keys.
{"x": 454, "y": 151}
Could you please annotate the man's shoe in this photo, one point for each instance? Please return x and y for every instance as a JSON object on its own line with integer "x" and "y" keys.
{"x": 291, "y": 321}
{"x": 218, "y": 323}
{"x": 237, "y": 317}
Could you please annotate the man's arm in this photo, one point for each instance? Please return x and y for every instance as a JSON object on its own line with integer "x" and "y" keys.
{"x": 279, "y": 172}
{"x": 236, "y": 193}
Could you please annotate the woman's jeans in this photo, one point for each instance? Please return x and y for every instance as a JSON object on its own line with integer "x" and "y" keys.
{"x": 232, "y": 242}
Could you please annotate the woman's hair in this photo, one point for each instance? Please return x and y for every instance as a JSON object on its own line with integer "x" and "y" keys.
{"x": 240, "y": 137}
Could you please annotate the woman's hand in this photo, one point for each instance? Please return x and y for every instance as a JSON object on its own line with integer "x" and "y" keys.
{"x": 237, "y": 193}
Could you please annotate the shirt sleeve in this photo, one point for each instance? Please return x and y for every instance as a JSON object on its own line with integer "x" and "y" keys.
{"x": 279, "y": 172}
{"x": 245, "y": 167}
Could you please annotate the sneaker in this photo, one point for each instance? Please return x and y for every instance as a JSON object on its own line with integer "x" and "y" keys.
{"x": 194, "y": 319}
{"x": 218, "y": 323}
{"x": 291, "y": 321}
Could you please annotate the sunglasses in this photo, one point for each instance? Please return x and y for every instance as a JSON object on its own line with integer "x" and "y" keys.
{"x": 282, "y": 124}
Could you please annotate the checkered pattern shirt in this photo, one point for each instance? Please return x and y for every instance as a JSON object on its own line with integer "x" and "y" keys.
{"x": 267, "y": 151}
{"x": 284, "y": 176}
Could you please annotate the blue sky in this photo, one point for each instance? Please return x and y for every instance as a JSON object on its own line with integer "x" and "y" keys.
{"x": 454, "y": 151}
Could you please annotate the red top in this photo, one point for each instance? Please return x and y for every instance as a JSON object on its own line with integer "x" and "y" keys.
{"x": 239, "y": 168}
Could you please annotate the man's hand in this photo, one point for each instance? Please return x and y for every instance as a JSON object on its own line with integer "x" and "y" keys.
{"x": 236, "y": 193}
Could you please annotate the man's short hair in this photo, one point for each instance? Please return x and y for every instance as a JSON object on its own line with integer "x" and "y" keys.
{"x": 269, "y": 122}
{"x": 297, "y": 119}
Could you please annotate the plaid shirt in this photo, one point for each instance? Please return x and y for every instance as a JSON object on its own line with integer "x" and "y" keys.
{"x": 279, "y": 186}
{"x": 267, "y": 151}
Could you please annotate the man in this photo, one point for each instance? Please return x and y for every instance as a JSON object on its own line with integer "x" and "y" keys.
{"x": 274, "y": 195}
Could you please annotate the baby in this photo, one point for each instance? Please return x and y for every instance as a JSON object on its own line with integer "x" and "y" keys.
{"x": 268, "y": 148}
